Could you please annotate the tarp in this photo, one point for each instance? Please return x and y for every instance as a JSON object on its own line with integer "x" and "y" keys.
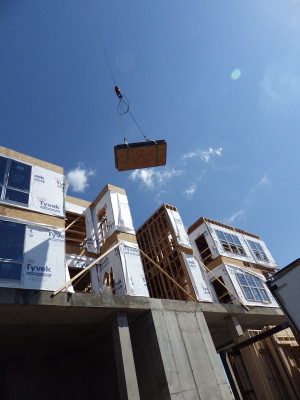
{"x": 198, "y": 278}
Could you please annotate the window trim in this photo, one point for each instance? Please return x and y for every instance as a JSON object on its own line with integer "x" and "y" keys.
{"x": 4, "y": 186}
{"x": 231, "y": 244}
{"x": 259, "y": 258}
{"x": 250, "y": 287}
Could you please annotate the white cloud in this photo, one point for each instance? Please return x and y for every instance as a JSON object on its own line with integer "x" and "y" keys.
{"x": 264, "y": 180}
{"x": 78, "y": 178}
{"x": 235, "y": 216}
{"x": 190, "y": 190}
{"x": 159, "y": 197}
{"x": 152, "y": 178}
{"x": 205, "y": 155}
{"x": 279, "y": 87}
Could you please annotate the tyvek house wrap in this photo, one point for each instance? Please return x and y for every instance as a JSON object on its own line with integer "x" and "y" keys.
{"x": 199, "y": 281}
{"x": 178, "y": 227}
{"x": 126, "y": 264}
{"x": 47, "y": 190}
{"x": 44, "y": 258}
{"x": 117, "y": 213}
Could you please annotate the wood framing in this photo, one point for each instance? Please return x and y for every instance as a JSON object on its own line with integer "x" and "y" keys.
{"x": 270, "y": 368}
{"x": 75, "y": 232}
{"x": 157, "y": 239}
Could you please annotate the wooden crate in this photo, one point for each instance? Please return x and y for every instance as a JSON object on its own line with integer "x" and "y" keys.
{"x": 140, "y": 155}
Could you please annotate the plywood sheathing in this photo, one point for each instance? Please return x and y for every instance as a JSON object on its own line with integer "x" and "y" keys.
{"x": 239, "y": 263}
{"x": 202, "y": 220}
{"x": 107, "y": 188}
{"x": 31, "y": 216}
{"x": 117, "y": 237}
{"x": 140, "y": 155}
{"x": 158, "y": 240}
{"x": 30, "y": 160}
{"x": 78, "y": 202}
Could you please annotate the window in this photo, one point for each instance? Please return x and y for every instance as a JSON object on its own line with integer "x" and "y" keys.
{"x": 221, "y": 291}
{"x": 258, "y": 251}
{"x": 230, "y": 243}
{"x": 14, "y": 181}
{"x": 102, "y": 226}
{"x": 11, "y": 250}
{"x": 204, "y": 249}
{"x": 253, "y": 288}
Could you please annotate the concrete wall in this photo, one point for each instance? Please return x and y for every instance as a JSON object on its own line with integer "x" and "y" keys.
{"x": 175, "y": 357}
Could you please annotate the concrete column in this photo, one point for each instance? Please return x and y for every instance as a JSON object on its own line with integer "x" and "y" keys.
{"x": 128, "y": 385}
{"x": 234, "y": 327}
{"x": 191, "y": 365}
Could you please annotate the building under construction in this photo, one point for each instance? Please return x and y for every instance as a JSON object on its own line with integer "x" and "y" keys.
{"x": 89, "y": 309}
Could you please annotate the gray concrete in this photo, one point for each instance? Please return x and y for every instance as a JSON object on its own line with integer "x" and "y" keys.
{"x": 128, "y": 385}
{"x": 234, "y": 327}
{"x": 69, "y": 337}
{"x": 192, "y": 368}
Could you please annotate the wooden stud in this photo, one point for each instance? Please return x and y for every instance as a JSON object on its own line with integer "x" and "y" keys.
{"x": 85, "y": 270}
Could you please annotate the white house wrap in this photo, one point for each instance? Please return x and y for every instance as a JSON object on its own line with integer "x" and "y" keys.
{"x": 47, "y": 192}
{"x": 179, "y": 229}
{"x": 126, "y": 266}
{"x": 198, "y": 277}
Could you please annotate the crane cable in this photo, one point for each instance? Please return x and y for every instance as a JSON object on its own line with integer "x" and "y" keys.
{"x": 123, "y": 106}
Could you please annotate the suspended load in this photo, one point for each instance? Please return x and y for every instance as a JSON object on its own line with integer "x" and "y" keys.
{"x": 151, "y": 153}
{"x": 141, "y": 155}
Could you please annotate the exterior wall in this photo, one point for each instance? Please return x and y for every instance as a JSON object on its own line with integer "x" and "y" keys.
{"x": 42, "y": 263}
{"x": 47, "y": 187}
{"x": 164, "y": 239}
{"x": 121, "y": 271}
{"x": 228, "y": 273}
{"x": 216, "y": 248}
{"x": 114, "y": 203}
{"x": 32, "y": 240}
{"x": 125, "y": 264}
{"x": 205, "y": 230}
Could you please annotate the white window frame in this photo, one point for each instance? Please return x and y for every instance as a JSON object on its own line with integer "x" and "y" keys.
{"x": 254, "y": 285}
{"x": 231, "y": 244}
{"x": 258, "y": 251}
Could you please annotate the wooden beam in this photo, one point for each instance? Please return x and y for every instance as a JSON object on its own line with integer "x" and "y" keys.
{"x": 165, "y": 273}
{"x": 85, "y": 269}
{"x": 73, "y": 222}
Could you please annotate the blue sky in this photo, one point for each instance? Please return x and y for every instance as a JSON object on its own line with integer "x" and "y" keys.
{"x": 219, "y": 80}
